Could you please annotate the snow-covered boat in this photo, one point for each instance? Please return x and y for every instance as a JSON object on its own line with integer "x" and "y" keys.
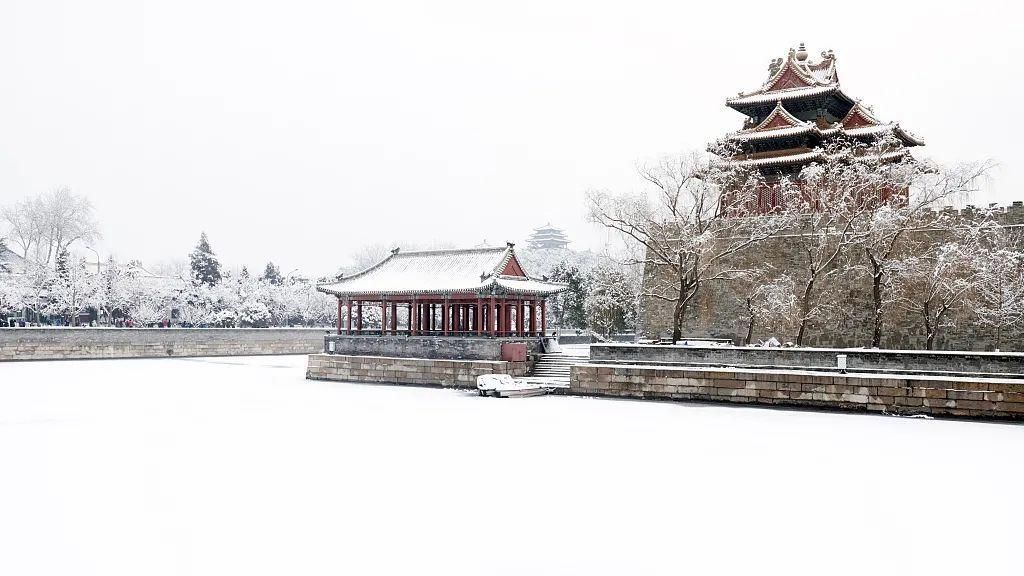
{"x": 505, "y": 386}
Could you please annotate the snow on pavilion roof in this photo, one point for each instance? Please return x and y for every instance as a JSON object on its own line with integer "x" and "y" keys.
{"x": 812, "y": 156}
{"x": 10, "y": 261}
{"x": 859, "y": 123}
{"x": 796, "y": 76}
{"x": 475, "y": 270}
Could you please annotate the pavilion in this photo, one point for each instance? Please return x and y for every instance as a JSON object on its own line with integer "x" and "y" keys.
{"x": 465, "y": 292}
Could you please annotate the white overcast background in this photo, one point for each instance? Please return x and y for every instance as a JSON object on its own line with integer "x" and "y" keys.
{"x": 296, "y": 131}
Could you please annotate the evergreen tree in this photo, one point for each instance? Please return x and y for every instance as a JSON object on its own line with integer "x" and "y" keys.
{"x": 612, "y": 301}
{"x": 244, "y": 273}
{"x": 205, "y": 267}
{"x": 272, "y": 274}
{"x": 63, "y": 265}
{"x": 570, "y": 306}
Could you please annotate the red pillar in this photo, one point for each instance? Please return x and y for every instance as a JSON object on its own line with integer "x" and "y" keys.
{"x": 444, "y": 316}
{"x": 492, "y": 313}
{"x": 383, "y": 318}
{"x": 359, "y": 315}
{"x": 413, "y": 309}
{"x": 394, "y": 318}
{"x": 543, "y": 327}
{"x": 479, "y": 316}
{"x": 348, "y": 304}
{"x": 520, "y": 321}
{"x": 533, "y": 317}
{"x": 339, "y": 315}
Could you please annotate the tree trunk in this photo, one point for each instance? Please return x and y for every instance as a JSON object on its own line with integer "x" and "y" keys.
{"x": 876, "y": 298}
{"x": 677, "y": 322}
{"x": 930, "y": 334}
{"x": 805, "y": 308}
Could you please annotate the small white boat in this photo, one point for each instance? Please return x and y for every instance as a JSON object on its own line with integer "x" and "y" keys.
{"x": 505, "y": 386}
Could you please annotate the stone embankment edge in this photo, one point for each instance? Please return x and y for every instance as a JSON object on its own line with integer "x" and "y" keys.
{"x": 935, "y": 396}
{"x": 28, "y": 344}
{"x": 407, "y": 371}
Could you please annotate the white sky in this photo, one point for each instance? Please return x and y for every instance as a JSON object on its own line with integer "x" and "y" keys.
{"x": 297, "y": 131}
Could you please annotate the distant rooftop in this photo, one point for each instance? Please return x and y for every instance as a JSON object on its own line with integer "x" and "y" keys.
{"x": 547, "y": 237}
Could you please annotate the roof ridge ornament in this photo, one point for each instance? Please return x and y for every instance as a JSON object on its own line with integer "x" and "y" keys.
{"x": 395, "y": 250}
{"x": 801, "y": 52}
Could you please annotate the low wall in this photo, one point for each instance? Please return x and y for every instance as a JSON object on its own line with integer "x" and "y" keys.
{"x": 409, "y": 371}
{"x": 81, "y": 343}
{"x": 965, "y": 397}
{"x": 857, "y": 359}
{"x": 448, "y": 347}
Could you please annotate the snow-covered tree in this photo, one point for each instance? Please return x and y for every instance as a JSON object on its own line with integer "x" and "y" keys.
{"x": 890, "y": 228}
{"x": 272, "y": 274}
{"x": 770, "y": 301}
{"x": 49, "y": 224}
{"x": 688, "y": 223}
{"x": 35, "y": 284}
{"x": 205, "y": 266}
{"x": 998, "y": 294}
{"x": 12, "y": 294}
{"x": 73, "y": 290}
{"x": 934, "y": 284}
{"x": 112, "y": 295}
{"x": 196, "y": 306}
{"x": 612, "y": 300}
{"x": 569, "y": 307}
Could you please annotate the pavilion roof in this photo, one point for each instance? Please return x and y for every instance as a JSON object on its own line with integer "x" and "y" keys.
{"x": 859, "y": 123}
{"x": 804, "y": 156}
{"x": 10, "y": 261}
{"x": 796, "y": 76}
{"x": 473, "y": 270}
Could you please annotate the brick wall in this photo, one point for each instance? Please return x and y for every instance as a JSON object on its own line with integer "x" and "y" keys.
{"x": 81, "y": 343}
{"x": 857, "y": 359}
{"x": 989, "y": 398}
{"x": 409, "y": 371}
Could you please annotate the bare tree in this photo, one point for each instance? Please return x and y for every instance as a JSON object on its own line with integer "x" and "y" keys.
{"x": 911, "y": 191}
{"x": 769, "y": 300}
{"x": 833, "y": 195}
{"x": 688, "y": 223}
{"x": 998, "y": 295}
{"x": 51, "y": 223}
{"x": 934, "y": 284}
{"x": 25, "y": 223}
{"x": 68, "y": 218}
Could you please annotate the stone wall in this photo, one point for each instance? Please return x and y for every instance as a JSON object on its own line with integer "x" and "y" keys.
{"x": 857, "y": 359}
{"x": 718, "y": 310}
{"x": 449, "y": 347}
{"x": 80, "y": 343}
{"x": 975, "y": 398}
{"x": 409, "y": 371}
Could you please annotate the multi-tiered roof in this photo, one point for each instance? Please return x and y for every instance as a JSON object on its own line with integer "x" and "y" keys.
{"x": 799, "y": 110}
{"x": 547, "y": 238}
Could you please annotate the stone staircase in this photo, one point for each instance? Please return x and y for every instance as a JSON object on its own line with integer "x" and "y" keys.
{"x": 553, "y": 369}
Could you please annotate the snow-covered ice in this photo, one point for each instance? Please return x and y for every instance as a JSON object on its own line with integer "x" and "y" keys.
{"x": 240, "y": 466}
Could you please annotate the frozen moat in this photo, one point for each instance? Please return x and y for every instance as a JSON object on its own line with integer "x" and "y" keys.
{"x": 241, "y": 466}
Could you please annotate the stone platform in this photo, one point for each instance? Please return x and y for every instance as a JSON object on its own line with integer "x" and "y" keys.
{"x": 408, "y": 371}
